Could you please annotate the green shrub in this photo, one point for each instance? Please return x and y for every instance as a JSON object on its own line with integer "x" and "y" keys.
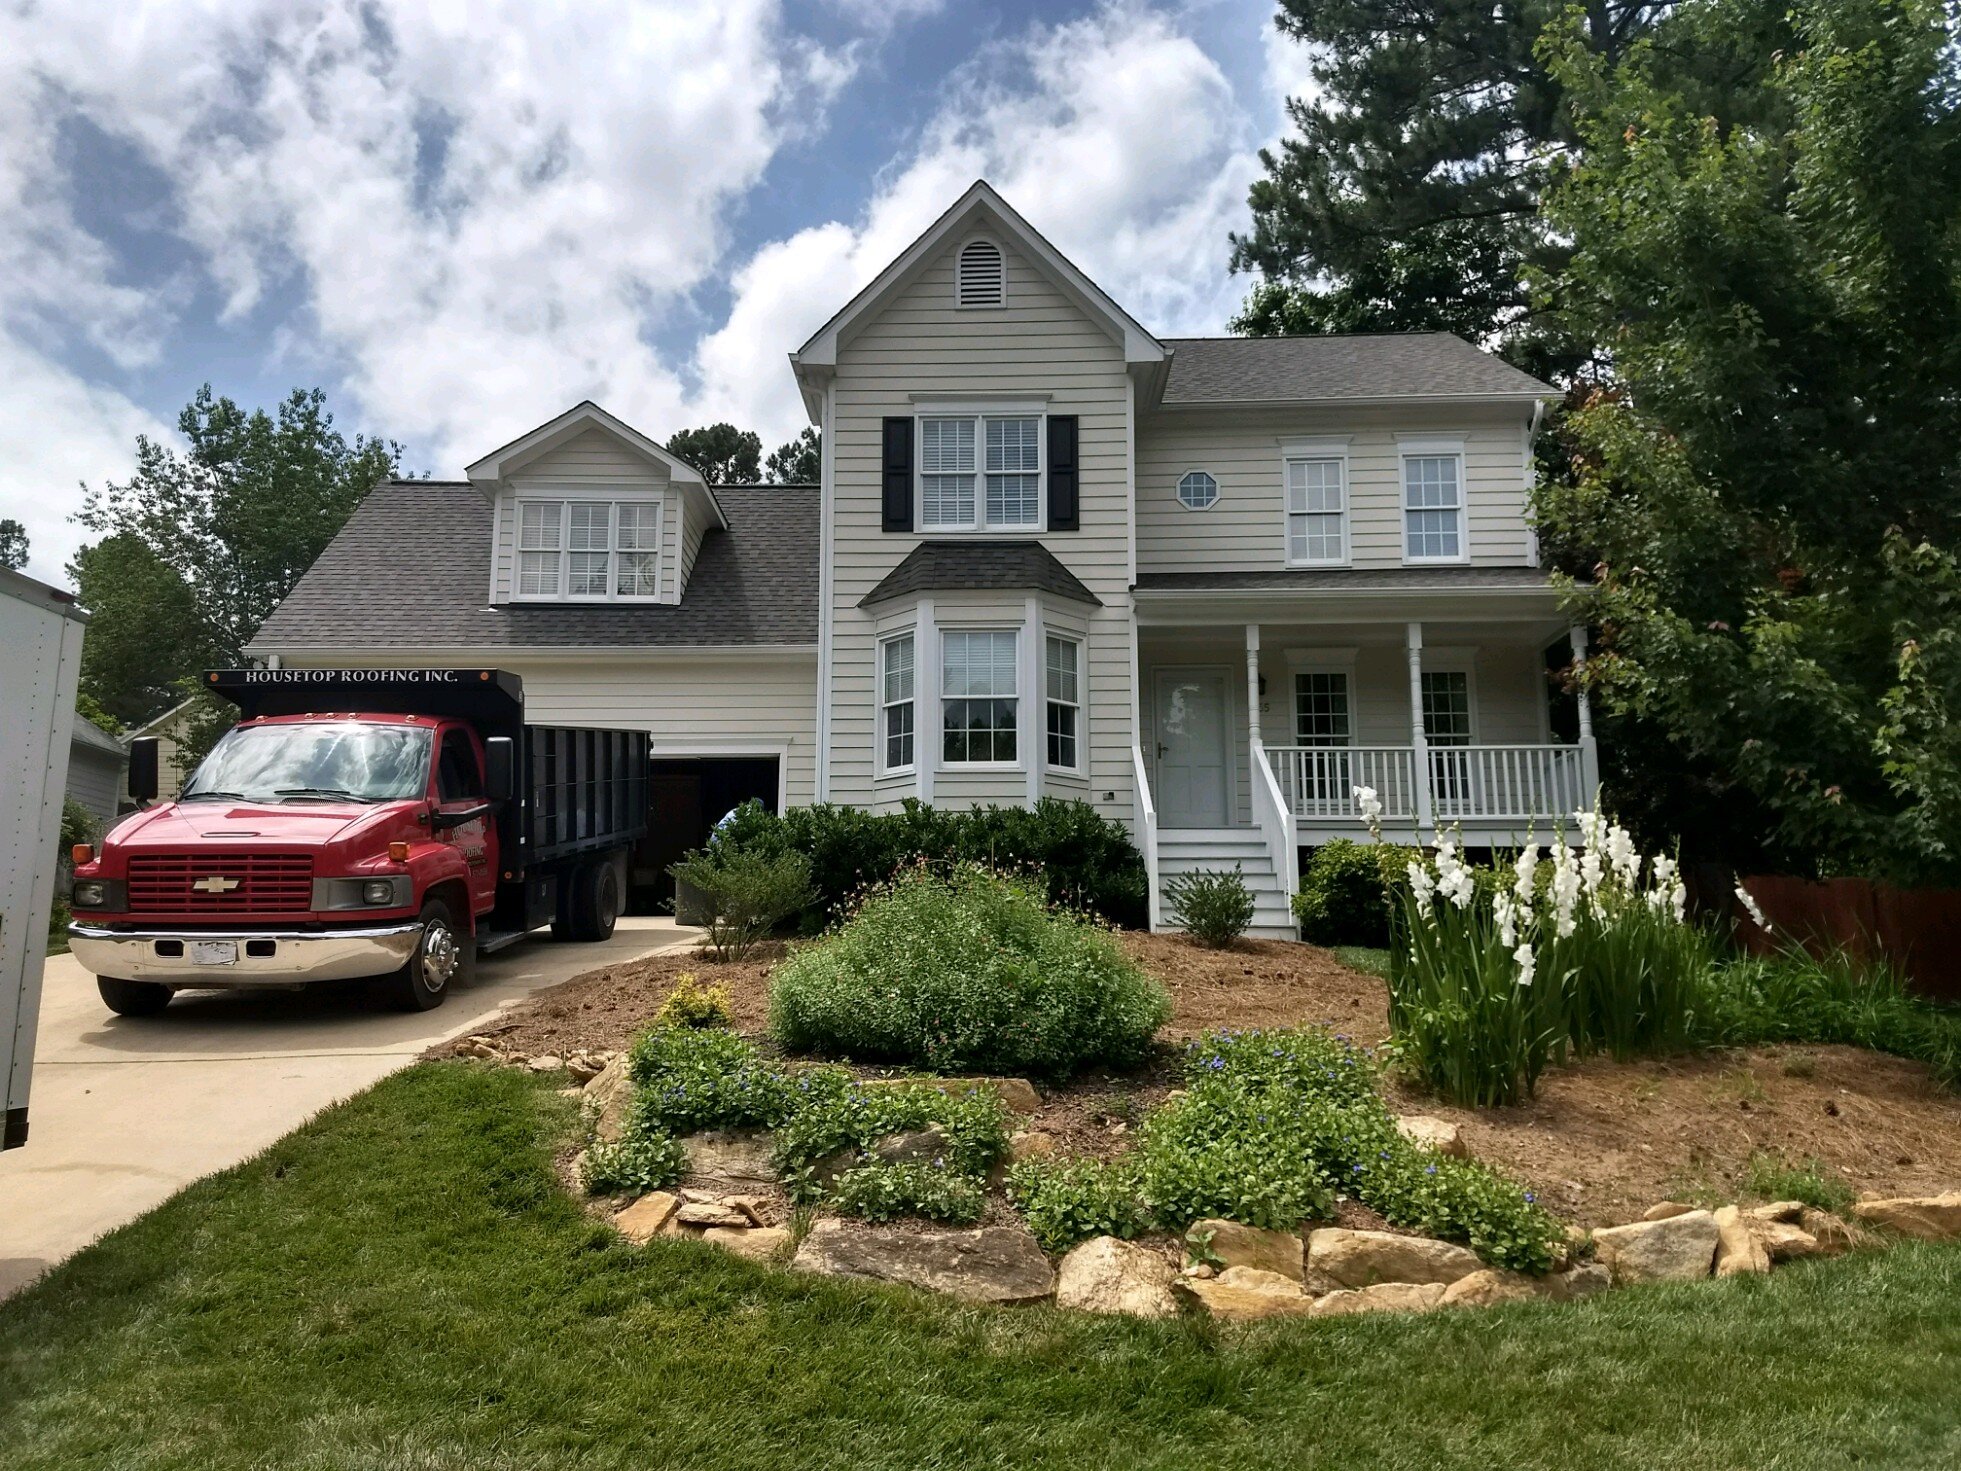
{"x": 832, "y": 1119}
{"x": 1214, "y": 906}
{"x": 692, "y": 1004}
{"x": 1082, "y": 860}
{"x": 1069, "y": 1200}
{"x": 1772, "y": 1177}
{"x": 704, "y": 1078}
{"x": 751, "y": 893}
{"x": 1345, "y": 891}
{"x": 885, "y": 1192}
{"x": 647, "y": 1159}
{"x": 972, "y": 971}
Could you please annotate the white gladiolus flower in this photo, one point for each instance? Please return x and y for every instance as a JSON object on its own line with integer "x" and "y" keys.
{"x": 1453, "y": 878}
{"x": 1421, "y": 886}
{"x": 1565, "y": 889}
{"x": 1527, "y": 869}
{"x": 1523, "y": 955}
{"x": 1678, "y": 897}
{"x": 1370, "y": 806}
{"x": 1590, "y": 871}
{"x": 1750, "y": 908}
{"x": 1622, "y": 856}
{"x": 1503, "y": 910}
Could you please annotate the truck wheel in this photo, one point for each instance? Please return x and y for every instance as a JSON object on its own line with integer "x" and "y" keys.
{"x": 133, "y": 998}
{"x": 446, "y": 958}
{"x": 595, "y": 902}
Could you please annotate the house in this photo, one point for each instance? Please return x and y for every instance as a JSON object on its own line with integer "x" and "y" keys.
{"x": 96, "y": 763}
{"x": 1209, "y": 586}
{"x": 169, "y": 730}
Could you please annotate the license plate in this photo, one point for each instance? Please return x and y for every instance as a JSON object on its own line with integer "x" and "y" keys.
{"x": 214, "y": 952}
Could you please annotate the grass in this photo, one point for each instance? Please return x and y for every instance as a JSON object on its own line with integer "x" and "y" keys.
{"x": 403, "y": 1284}
{"x": 1366, "y": 958}
{"x": 1772, "y": 1177}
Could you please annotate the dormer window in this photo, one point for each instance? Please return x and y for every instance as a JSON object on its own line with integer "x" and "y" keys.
{"x": 981, "y": 279}
{"x": 588, "y": 550}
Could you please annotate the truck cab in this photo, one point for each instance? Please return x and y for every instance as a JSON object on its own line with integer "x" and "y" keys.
{"x": 333, "y": 838}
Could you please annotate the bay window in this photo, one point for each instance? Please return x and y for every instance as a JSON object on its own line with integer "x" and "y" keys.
{"x": 897, "y": 673}
{"x": 980, "y": 472}
{"x": 1063, "y": 663}
{"x": 979, "y": 709}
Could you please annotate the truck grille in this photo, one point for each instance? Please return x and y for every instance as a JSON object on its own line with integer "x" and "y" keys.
{"x": 247, "y": 883}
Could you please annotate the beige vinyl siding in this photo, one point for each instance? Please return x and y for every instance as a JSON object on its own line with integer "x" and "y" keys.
{"x": 593, "y": 464}
{"x": 694, "y": 526}
{"x": 1042, "y": 342}
{"x": 95, "y": 779}
{"x": 1246, "y": 529}
{"x": 707, "y": 705}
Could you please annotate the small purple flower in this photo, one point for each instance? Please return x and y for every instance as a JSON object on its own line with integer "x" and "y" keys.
{"x": 1530, "y": 1198}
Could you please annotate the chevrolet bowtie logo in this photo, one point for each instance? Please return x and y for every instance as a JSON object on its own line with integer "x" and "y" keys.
{"x": 216, "y": 884}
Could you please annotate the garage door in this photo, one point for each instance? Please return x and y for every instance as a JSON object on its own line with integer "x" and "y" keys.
{"x": 687, "y": 796}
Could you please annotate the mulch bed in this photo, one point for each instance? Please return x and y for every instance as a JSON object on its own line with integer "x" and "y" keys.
{"x": 1600, "y": 1142}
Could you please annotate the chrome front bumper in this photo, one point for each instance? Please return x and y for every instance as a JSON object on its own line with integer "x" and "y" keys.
{"x": 264, "y": 957}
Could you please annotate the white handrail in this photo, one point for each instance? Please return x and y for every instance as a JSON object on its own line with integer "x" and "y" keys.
{"x": 1146, "y": 831}
{"x": 1464, "y": 783}
{"x": 1276, "y": 820}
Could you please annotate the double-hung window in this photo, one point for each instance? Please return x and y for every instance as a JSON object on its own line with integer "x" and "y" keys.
{"x": 1447, "y": 724}
{"x": 1321, "y": 724}
{"x": 978, "y": 705}
{"x": 600, "y": 551}
{"x": 1433, "y": 507}
{"x": 897, "y": 674}
{"x": 980, "y": 472}
{"x": 1317, "y": 510}
{"x": 1064, "y": 667}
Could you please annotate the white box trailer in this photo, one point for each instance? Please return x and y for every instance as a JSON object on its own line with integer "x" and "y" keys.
{"x": 40, "y": 661}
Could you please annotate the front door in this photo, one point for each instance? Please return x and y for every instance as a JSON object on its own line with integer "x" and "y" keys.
{"x": 1193, "y": 767}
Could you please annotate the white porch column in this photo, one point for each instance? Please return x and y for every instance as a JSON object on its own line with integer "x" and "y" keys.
{"x": 1419, "y": 742}
{"x": 1253, "y": 683}
{"x": 1589, "y": 750}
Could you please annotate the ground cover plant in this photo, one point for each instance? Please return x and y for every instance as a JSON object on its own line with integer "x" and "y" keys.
{"x": 403, "y": 1281}
{"x": 1079, "y": 858}
{"x": 971, "y": 971}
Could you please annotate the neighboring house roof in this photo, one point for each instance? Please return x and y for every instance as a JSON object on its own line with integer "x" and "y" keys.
{"x": 156, "y": 723}
{"x": 407, "y": 573}
{"x": 1390, "y": 365}
{"x": 1352, "y": 579}
{"x": 87, "y": 733}
{"x": 979, "y": 566}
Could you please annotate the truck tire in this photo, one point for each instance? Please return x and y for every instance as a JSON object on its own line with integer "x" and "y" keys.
{"x": 446, "y": 958}
{"x": 595, "y": 902}
{"x": 133, "y": 998}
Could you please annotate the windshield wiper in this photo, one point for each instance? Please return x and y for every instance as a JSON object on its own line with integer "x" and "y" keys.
{"x": 211, "y": 796}
{"x": 326, "y": 794}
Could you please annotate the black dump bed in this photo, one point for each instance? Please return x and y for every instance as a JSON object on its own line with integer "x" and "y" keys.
{"x": 581, "y": 790}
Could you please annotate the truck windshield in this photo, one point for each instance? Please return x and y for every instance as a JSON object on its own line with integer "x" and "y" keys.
{"x": 343, "y": 760}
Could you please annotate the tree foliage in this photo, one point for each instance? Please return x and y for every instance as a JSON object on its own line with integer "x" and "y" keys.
{"x": 798, "y": 462}
{"x": 1771, "y": 488}
{"x": 147, "y": 632}
{"x": 724, "y": 454}
{"x": 13, "y": 544}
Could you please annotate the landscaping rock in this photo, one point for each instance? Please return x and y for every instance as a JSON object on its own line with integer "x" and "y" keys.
{"x": 1430, "y": 1133}
{"x": 914, "y": 1146}
{"x": 1740, "y": 1243}
{"x": 998, "y": 1264}
{"x": 1781, "y": 1242}
{"x": 642, "y": 1221}
{"x": 546, "y": 1062}
{"x": 1243, "y": 1294}
{"x": 1929, "y": 1217}
{"x": 1234, "y": 1245}
{"x": 1106, "y": 1275}
{"x": 751, "y": 1206}
{"x": 1777, "y": 1210}
{"x": 1384, "y": 1297}
{"x": 1490, "y": 1287}
{"x": 1030, "y": 1144}
{"x": 605, "y": 1099}
{"x": 758, "y": 1243}
{"x": 706, "y": 1213}
{"x": 1676, "y": 1248}
{"x": 1663, "y": 1210}
{"x": 1833, "y": 1236}
{"x": 738, "y": 1156}
{"x": 1362, "y": 1258}
{"x": 1575, "y": 1283}
{"x": 1017, "y": 1093}
{"x": 583, "y": 1067}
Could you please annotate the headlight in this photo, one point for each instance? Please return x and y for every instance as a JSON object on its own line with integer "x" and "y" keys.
{"x": 378, "y": 892}
{"x": 90, "y": 894}
{"x": 362, "y": 893}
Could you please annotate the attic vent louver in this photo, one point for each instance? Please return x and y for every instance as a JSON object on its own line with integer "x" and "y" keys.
{"x": 983, "y": 277}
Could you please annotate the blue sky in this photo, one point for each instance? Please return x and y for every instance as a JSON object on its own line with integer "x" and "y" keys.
{"x": 461, "y": 218}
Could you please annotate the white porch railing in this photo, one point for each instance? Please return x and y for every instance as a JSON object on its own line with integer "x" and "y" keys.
{"x": 1275, "y": 820}
{"x": 1464, "y": 783}
{"x": 1147, "y": 831}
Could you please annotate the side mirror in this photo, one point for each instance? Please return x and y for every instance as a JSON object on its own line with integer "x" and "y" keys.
{"x": 143, "y": 769}
{"x": 500, "y": 768}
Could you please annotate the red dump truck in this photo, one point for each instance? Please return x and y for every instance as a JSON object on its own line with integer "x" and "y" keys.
{"x": 382, "y": 823}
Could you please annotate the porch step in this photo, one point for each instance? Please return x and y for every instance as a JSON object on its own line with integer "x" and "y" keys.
{"x": 1188, "y": 850}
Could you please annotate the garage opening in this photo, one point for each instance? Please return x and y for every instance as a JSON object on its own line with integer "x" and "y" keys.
{"x": 687, "y": 796}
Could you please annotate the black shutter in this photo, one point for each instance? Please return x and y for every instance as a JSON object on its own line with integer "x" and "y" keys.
{"x": 898, "y": 475}
{"x": 1063, "y": 512}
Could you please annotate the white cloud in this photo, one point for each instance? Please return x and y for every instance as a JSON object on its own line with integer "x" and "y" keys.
{"x": 1116, "y": 135}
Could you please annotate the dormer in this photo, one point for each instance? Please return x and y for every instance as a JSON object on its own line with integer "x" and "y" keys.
{"x": 588, "y": 510}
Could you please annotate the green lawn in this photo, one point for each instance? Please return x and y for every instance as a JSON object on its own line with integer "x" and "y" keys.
{"x": 1365, "y": 958}
{"x": 401, "y": 1284}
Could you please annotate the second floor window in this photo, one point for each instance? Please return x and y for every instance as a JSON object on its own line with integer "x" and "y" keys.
{"x": 1317, "y": 512}
{"x": 588, "y": 550}
{"x": 1433, "y": 508}
{"x": 978, "y": 705}
{"x": 980, "y": 473}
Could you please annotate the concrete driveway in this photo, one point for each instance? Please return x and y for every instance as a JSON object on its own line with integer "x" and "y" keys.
{"x": 126, "y": 1111}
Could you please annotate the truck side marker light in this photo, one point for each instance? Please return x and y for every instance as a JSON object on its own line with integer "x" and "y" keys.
{"x": 398, "y": 852}
{"x": 81, "y": 853}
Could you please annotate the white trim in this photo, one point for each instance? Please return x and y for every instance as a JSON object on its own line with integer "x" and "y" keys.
{"x": 1080, "y": 704}
{"x": 959, "y": 257}
{"x": 1004, "y": 405}
{"x": 881, "y": 736}
{"x": 1410, "y": 447}
{"x": 1310, "y": 452}
{"x": 926, "y": 698}
{"x": 500, "y": 463}
{"x": 1178, "y": 490}
{"x": 980, "y": 526}
{"x": 826, "y": 591}
{"x": 496, "y": 545}
{"x": 1032, "y": 716}
{"x": 1020, "y": 635}
{"x": 613, "y": 498}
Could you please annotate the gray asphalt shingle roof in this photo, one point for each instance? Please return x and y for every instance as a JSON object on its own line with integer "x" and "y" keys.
{"x": 1294, "y": 369}
{"x": 411, "y": 569}
{"x": 979, "y": 566}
